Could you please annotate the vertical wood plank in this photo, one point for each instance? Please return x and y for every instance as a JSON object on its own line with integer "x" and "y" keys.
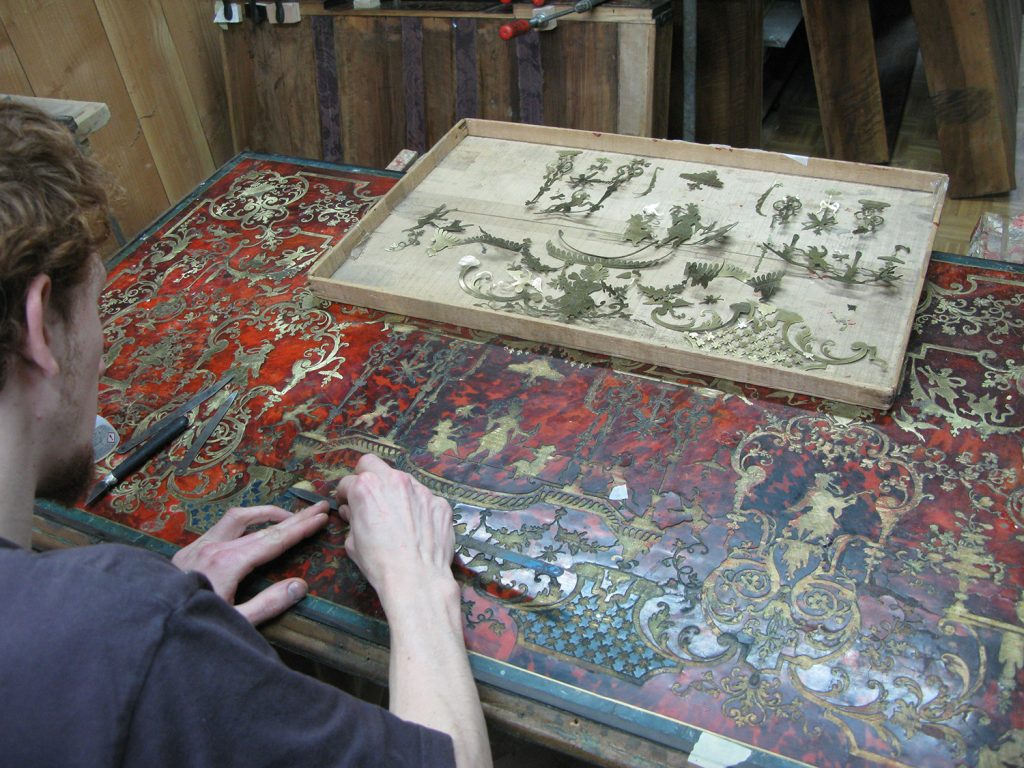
{"x": 683, "y": 83}
{"x": 70, "y": 58}
{"x": 371, "y": 87}
{"x": 497, "y": 72}
{"x": 842, "y": 48}
{"x": 896, "y": 49}
{"x": 965, "y": 64}
{"x": 327, "y": 88}
{"x": 285, "y": 84}
{"x": 287, "y": 62}
{"x": 531, "y": 79}
{"x": 12, "y": 75}
{"x": 239, "y": 85}
{"x": 467, "y": 84}
{"x": 729, "y": 72}
{"x": 439, "y": 91}
{"x": 581, "y": 75}
{"x": 636, "y": 67}
{"x": 149, "y": 64}
{"x": 197, "y": 41}
{"x": 1005, "y": 22}
{"x": 662, "y": 91}
{"x": 412, "y": 83}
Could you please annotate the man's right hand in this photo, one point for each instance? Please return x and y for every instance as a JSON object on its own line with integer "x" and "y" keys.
{"x": 403, "y": 541}
{"x": 401, "y": 534}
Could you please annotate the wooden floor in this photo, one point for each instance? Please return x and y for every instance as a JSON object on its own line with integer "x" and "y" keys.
{"x": 792, "y": 125}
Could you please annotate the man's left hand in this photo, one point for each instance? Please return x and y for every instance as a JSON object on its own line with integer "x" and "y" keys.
{"x": 226, "y": 554}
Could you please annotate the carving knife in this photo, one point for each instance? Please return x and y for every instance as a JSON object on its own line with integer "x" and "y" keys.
{"x": 461, "y": 540}
{"x": 181, "y": 410}
{"x": 193, "y": 450}
{"x": 135, "y": 461}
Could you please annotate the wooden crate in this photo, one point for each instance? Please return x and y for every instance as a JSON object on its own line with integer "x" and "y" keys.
{"x": 658, "y": 251}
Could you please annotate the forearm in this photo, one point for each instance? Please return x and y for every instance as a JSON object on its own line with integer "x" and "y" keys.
{"x": 430, "y": 679}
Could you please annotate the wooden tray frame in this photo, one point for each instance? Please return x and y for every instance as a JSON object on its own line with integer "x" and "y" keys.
{"x": 814, "y": 383}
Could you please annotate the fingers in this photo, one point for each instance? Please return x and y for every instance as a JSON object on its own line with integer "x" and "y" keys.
{"x": 226, "y": 554}
{"x": 445, "y": 524}
{"x": 345, "y": 512}
{"x": 368, "y": 462}
{"x": 273, "y": 601}
{"x": 267, "y": 543}
{"x": 234, "y": 522}
{"x": 371, "y": 462}
{"x": 225, "y": 562}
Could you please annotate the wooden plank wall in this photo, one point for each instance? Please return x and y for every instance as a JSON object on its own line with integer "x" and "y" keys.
{"x": 156, "y": 64}
{"x": 363, "y": 86}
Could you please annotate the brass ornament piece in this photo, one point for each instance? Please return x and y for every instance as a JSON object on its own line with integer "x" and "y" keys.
{"x": 840, "y": 267}
{"x": 869, "y": 217}
{"x": 764, "y": 197}
{"x": 785, "y": 209}
{"x": 702, "y": 179}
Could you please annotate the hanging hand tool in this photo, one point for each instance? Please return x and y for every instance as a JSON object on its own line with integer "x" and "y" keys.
{"x": 541, "y": 20}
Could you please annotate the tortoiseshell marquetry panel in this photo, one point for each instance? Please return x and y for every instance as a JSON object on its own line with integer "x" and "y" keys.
{"x": 819, "y": 583}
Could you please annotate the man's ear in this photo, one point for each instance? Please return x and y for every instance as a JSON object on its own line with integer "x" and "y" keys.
{"x": 37, "y": 346}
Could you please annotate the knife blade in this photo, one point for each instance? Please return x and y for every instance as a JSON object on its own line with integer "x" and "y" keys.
{"x": 136, "y": 460}
{"x": 461, "y": 540}
{"x": 193, "y": 450}
{"x": 140, "y": 437}
{"x": 313, "y": 498}
{"x": 494, "y": 551}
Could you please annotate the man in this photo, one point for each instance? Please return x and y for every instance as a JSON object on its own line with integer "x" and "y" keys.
{"x": 110, "y": 655}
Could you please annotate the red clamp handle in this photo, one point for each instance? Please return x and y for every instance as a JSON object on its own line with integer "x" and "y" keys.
{"x": 514, "y": 29}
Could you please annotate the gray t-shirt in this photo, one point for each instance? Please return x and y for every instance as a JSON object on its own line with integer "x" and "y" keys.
{"x": 110, "y": 655}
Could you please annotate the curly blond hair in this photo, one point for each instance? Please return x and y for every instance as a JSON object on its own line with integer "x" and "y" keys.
{"x": 54, "y": 213}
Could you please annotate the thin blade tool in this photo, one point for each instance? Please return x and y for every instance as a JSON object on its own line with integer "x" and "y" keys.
{"x": 140, "y": 437}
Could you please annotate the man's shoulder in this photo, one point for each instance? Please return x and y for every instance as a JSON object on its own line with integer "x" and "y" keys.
{"x": 80, "y": 630}
{"x": 100, "y": 576}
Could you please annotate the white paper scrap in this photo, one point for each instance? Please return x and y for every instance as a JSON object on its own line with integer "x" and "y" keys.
{"x": 219, "y": 16}
{"x": 802, "y": 159}
{"x": 469, "y": 261}
{"x": 712, "y": 751}
{"x": 619, "y": 492}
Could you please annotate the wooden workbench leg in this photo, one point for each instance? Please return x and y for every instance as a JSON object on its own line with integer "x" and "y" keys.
{"x": 730, "y": 64}
{"x": 971, "y": 53}
{"x": 842, "y": 48}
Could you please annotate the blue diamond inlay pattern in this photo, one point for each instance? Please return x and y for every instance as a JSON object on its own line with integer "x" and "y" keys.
{"x": 595, "y": 631}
